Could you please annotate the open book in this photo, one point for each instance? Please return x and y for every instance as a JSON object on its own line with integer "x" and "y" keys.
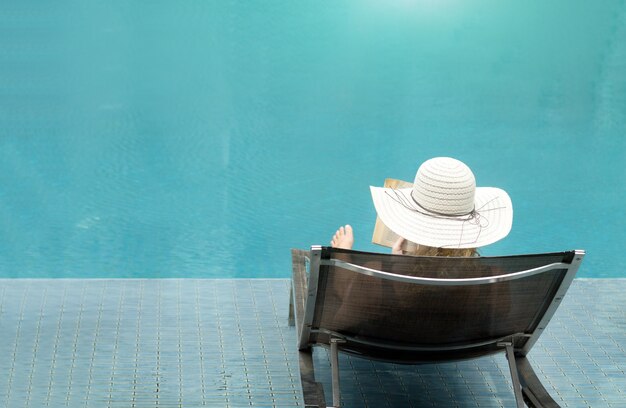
{"x": 383, "y": 235}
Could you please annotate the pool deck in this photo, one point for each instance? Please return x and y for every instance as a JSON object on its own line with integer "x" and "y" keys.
{"x": 226, "y": 343}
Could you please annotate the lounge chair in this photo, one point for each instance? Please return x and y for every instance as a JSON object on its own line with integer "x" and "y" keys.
{"x": 416, "y": 310}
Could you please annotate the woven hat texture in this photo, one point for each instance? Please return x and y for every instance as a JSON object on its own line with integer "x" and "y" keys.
{"x": 444, "y": 208}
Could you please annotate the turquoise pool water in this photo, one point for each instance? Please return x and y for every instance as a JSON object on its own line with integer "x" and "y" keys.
{"x": 205, "y": 139}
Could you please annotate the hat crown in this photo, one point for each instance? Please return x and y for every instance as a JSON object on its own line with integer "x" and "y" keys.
{"x": 446, "y": 186}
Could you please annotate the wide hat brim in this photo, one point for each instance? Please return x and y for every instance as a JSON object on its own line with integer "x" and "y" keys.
{"x": 490, "y": 222}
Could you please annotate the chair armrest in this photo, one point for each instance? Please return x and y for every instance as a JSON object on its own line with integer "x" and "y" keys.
{"x": 298, "y": 286}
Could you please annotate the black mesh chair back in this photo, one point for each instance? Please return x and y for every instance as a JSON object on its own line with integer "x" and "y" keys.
{"x": 446, "y": 308}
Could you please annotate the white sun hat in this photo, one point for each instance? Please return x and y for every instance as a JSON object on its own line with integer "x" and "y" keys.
{"x": 444, "y": 208}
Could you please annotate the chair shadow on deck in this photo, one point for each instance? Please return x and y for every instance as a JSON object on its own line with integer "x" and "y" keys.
{"x": 425, "y": 310}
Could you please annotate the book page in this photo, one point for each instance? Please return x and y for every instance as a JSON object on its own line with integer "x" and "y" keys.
{"x": 384, "y": 236}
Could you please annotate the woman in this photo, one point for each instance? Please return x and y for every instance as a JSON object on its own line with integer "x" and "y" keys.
{"x": 443, "y": 214}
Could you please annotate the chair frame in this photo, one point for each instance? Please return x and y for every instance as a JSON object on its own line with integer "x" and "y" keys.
{"x": 526, "y": 386}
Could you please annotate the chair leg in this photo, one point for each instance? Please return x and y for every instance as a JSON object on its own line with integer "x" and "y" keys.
{"x": 312, "y": 391}
{"x": 534, "y": 392}
{"x": 334, "y": 366}
{"x": 517, "y": 387}
{"x": 527, "y": 387}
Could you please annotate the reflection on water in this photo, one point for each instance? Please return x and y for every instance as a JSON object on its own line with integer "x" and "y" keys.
{"x": 206, "y": 139}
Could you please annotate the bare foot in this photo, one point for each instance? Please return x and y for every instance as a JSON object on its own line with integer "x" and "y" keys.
{"x": 397, "y": 247}
{"x": 343, "y": 238}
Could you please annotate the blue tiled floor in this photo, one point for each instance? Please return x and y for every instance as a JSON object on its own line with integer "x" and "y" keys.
{"x": 226, "y": 343}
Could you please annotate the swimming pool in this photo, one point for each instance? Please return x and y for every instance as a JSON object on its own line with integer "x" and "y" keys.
{"x": 206, "y": 139}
